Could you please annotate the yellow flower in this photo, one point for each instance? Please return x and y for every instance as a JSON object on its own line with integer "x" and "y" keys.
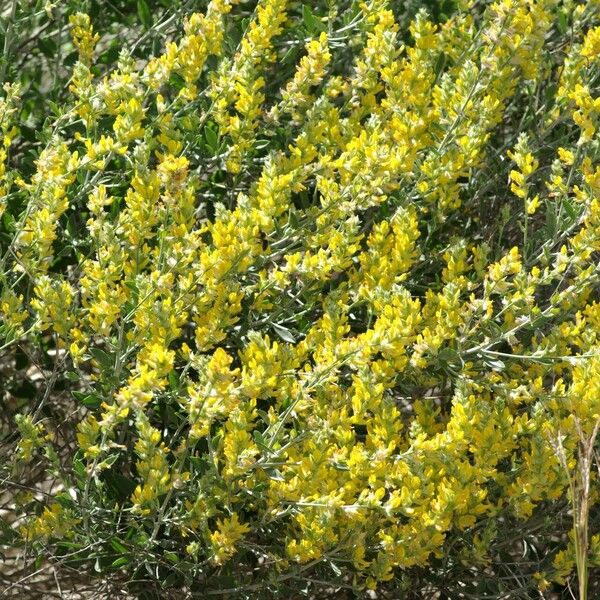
{"x": 229, "y": 532}
{"x": 83, "y": 36}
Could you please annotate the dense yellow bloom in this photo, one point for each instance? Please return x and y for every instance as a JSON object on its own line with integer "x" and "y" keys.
{"x": 301, "y": 297}
{"x": 228, "y": 534}
{"x": 54, "y": 522}
{"x": 152, "y": 467}
{"x": 83, "y": 36}
{"x": 87, "y": 436}
{"x": 8, "y": 108}
{"x": 527, "y": 165}
{"x": 33, "y": 437}
{"x": 310, "y": 72}
{"x": 55, "y": 173}
{"x": 591, "y": 44}
{"x": 239, "y": 83}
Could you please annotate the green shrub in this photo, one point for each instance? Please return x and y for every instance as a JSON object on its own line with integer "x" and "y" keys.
{"x": 302, "y": 299}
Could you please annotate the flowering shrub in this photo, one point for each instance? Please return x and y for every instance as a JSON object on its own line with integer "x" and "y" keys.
{"x": 312, "y": 297}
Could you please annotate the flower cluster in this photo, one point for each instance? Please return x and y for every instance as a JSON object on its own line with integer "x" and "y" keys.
{"x": 313, "y": 326}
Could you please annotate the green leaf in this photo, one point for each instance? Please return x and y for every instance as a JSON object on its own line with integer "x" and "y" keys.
{"x": 449, "y": 356}
{"x": 215, "y": 441}
{"x": 340, "y": 466}
{"x": 284, "y": 333}
{"x": 551, "y": 222}
{"x": 118, "y": 546}
{"x": 261, "y": 442}
{"x": 88, "y": 400}
{"x": 493, "y": 363}
{"x": 72, "y": 376}
{"x": 173, "y": 381}
{"x": 8, "y": 222}
{"x": 109, "y": 56}
{"x": 263, "y": 415}
{"x": 120, "y": 562}
{"x": 212, "y": 139}
{"x": 311, "y": 22}
{"x": 64, "y": 500}
{"x": 144, "y": 13}
{"x": 275, "y": 474}
{"x": 177, "y": 81}
{"x": 562, "y": 22}
{"x": 105, "y": 360}
{"x": 8, "y": 533}
{"x": 570, "y": 209}
{"x": 293, "y": 219}
{"x": 79, "y": 467}
{"x": 171, "y": 580}
{"x": 440, "y": 63}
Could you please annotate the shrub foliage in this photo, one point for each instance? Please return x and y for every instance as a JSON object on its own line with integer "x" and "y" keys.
{"x": 302, "y": 298}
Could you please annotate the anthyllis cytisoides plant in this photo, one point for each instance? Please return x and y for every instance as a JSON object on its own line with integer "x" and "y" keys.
{"x": 319, "y": 295}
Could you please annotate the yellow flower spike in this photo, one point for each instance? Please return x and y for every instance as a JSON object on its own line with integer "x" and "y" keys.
{"x": 229, "y": 532}
{"x": 409, "y": 399}
{"x": 591, "y": 45}
{"x": 55, "y": 522}
{"x": 527, "y": 166}
{"x": 33, "y": 437}
{"x": 241, "y": 84}
{"x": 566, "y": 156}
{"x": 83, "y": 36}
{"x": 152, "y": 467}
{"x": 309, "y": 73}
